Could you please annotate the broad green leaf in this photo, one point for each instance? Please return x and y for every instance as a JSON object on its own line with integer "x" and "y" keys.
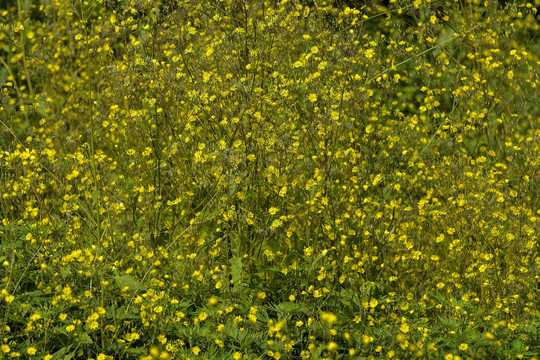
{"x": 236, "y": 270}
{"x": 84, "y": 338}
{"x": 95, "y": 196}
{"x": 127, "y": 280}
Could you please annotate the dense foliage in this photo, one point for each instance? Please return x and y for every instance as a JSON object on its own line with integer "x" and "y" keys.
{"x": 269, "y": 179}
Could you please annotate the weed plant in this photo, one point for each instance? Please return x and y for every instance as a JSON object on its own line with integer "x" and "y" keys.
{"x": 269, "y": 179}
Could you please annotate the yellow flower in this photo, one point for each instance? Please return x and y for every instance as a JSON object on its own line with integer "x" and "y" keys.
{"x": 132, "y": 337}
{"x": 329, "y": 318}
{"x": 332, "y": 346}
{"x": 463, "y": 347}
{"x": 213, "y": 301}
{"x": 203, "y": 316}
{"x": 154, "y": 351}
{"x": 404, "y": 328}
{"x": 196, "y": 350}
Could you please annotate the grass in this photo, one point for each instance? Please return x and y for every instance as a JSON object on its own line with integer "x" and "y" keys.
{"x": 269, "y": 180}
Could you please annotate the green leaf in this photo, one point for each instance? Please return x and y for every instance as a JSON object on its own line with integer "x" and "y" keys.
{"x": 95, "y": 196}
{"x": 138, "y": 263}
{"x": 42, "y": 107}
{"x": 3, "y": 75}
{"x": 127, "y": 280}
{"x": 34, "y": 296}
{"x": 236, "y": 270}
{"x": 61, "y": 354}
{"x": 518, "y": 346}
{"x": 84, "y": 339}
{"x": 66, "y": 272}
{"x": 289, "y": 308}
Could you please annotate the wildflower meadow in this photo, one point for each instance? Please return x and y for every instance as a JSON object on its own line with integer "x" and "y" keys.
{"x": 236, "y": 179}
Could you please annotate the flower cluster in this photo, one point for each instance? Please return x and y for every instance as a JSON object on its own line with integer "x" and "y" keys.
{"x": 269, "y": 180}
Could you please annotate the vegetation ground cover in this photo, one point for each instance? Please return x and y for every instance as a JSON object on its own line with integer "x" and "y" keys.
{"x": 269, "y": 180}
